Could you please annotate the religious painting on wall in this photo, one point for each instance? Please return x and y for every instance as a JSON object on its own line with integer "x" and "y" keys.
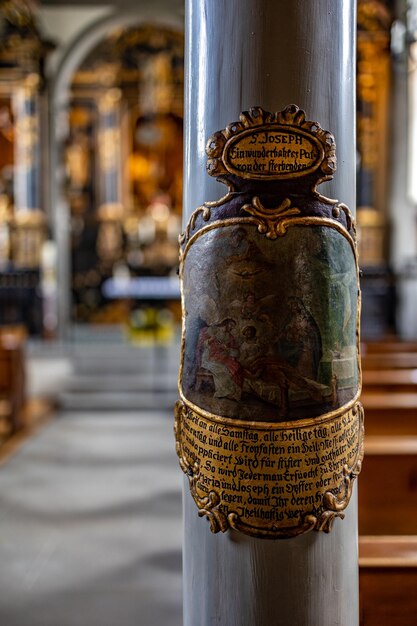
{"x": 7, "y": 133}
{"x": 7, "y": 149}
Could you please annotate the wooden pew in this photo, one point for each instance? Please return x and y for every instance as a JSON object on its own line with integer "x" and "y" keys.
{"x": 390, "y": 413}
{"x": 389, "y": 361}
{"x": 391, "y": 345}
{"x": 395, "y": 380}
{"x": 388, "y": 486}
{"x": 388, "y": 581}
{"x": 388, "y": 509}
{"x": 12, "y": 375}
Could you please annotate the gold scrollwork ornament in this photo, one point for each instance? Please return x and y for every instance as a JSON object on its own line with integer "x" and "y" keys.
{"x": 269, "y": 427}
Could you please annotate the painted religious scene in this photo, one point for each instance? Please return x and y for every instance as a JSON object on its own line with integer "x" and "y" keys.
{"x": 270, "y": 327}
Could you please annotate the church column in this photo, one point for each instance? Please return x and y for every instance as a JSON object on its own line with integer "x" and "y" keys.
{"x": 270, "y": 53}
{"x": 109, "y": 144}
{"x": 110, "y": 212}
{"x": 26, "y": 110}
{"x": 29, "y": 219}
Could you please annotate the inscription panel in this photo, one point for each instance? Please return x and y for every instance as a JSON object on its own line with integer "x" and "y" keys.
{"x": 271, "y": 481}
{"x": 272, "y": 153}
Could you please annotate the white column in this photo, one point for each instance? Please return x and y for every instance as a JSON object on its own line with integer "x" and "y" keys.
{"x": 27, "y": 145}
{"x": 243, "y": 53}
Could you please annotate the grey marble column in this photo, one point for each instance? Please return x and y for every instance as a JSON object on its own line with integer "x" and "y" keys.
{"x": 27, "y": 145}
{"x": 109, "y": 153}
{"x": 243, "y": 53}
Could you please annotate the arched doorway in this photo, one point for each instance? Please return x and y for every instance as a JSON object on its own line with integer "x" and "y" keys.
{"x": 117, "y": 160}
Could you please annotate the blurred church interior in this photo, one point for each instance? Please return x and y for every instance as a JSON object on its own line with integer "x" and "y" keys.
{"x": 91, "y": 151}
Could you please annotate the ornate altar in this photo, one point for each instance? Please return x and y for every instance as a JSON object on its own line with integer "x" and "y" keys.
{"x": 123, "y": 162}
{"x": 373, "y": 92}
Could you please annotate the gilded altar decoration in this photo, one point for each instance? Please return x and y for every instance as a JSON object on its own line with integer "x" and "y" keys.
{"x": 123, "y": 157}
{"x": 269, "y": 427}
{"x": 373, "y": 96}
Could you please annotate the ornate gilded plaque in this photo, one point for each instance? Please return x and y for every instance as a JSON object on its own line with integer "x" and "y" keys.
{"x": 269, "y": 427}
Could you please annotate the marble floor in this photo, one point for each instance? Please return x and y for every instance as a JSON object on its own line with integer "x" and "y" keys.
{"x": 90, "y": 523}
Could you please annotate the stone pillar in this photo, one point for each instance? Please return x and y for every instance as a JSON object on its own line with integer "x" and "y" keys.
{"x": 110, "y": 211}
{"x": 29, "y": 219}
{"x": 27, "y": 146}
{"x": 271, "y": 53}
{"x": 109, "y": 146}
